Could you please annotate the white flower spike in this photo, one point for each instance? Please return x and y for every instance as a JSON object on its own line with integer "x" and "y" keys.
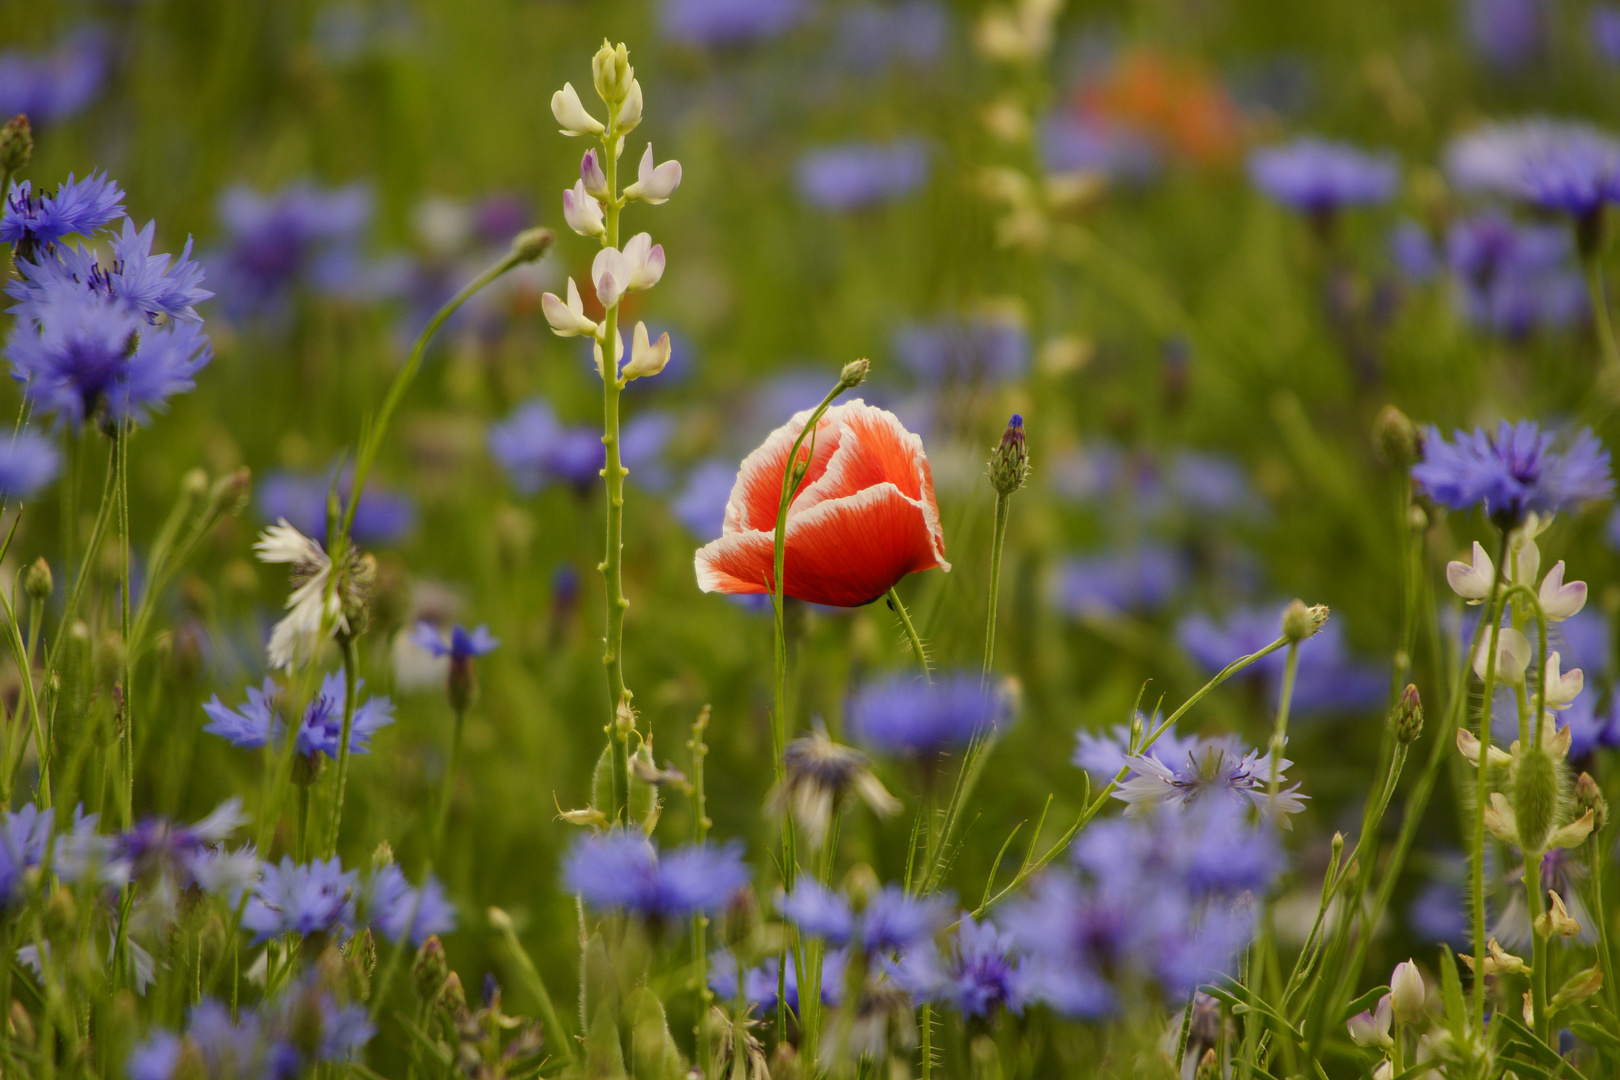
{"x": 570, "y": 113}
{"x": 582, "y": 212}
{"x": 654, "y": 185}
{"x": 646, "y": 358}
{"x": 567, "y": 319}
{"x": 1561, "y": 688}
{"x": 1558, "y": 600}
{"x": 1472, "y": 583}
{"x": 1512, "y": 655}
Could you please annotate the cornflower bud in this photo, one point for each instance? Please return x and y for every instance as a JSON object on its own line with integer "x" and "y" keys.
{"x": 383, "y": 856}
{"x": 741, "y": 919}
{"x": 1300, "y": 622}
{"x": 611, "y": 72}
{"x": 854, "y": 373}
{"x": 359, "y": 961}
{"x": 430, "y": 969}
{"x": 530, "y": 244}
{"x": 1009, "y": 461}
{"x": 39, "y": 583}
{"x": 453, "y": 999}
{"x": 1589, "y": 797}
{"x": 189, "y": 1063}
{"x": 1409, "y": 715}
{"x": 16, "y": 143}
{"x": 1397, "y": 439}
{"x": 1535, "y": 797}
{"x": 1209, "y": 1068}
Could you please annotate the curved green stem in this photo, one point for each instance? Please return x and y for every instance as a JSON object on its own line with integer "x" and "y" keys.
{"x": 911, "y": 632}
{"x": 127, "y": 728}
{"x": 351, "y": 680}
{"x": 1540, "y": 955}
{"x": 452, "y": 771}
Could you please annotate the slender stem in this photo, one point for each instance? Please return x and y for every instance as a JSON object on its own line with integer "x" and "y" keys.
{"x": 301, "y": 839}
{"x": 1600, "y": 314}
{"x": 447, "y": 793}
{"x": 561, "y": 1042}
{"x": 700, "y": 921}
{"x": 127, "y": 803}
{"x": 1279, "y": 736}
{"x": 1003, "y": 505}
{"x": 911, "y": 632}
{"x": 925, "y": 1021}
{"x": 87, "y": 565}
{"x": 1539, "y": 953}
{"x": 1481, "y": 790}
{"x": 351, "y": 679}
{"x": 1599, "y": 863}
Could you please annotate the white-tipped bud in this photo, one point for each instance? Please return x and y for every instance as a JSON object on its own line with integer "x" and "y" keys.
{"x": 570, "y": 113}
{"x": 1472, "y": 582}
{"x": 618, "y": 354}
{"x": 611, "y": 72}
{"x": 1407, "y": 994}
{"x": 1561, "y": 688}
{"x": 567, "y": 319}
{"x": 590, "y": 171}
{"x": 1558, "y": 600}
{"x": 646, "y": 358}
{"x": 630, "y": 111}
{"x": 1512, "y": 655}
{"x": 654, "y": 185}
{"x": 582, "y": 212}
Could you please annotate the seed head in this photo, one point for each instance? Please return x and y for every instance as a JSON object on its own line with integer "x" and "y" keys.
{"x": 1300, "y": 622}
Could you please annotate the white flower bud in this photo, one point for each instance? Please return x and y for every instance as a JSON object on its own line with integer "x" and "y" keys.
{"x": 611, "y": 72}
{"x": 1407, "y": 994}
{"x": 1526, "y": 561}
{"x": 654, "y": 185}
{"x": 1558, "y": 600}
{"x": 582, "y": 212}
{"x": 567, "y": 319}
{"x": 1561, "y": 689}
{"x": 570, "y": 113}
{"x": 1512, "y": 655}
{"x": 630, "y": 111}
{"x": 646, "y": 358}
{"x": 1472, "y": 583}
{"x": 590, "y": 171}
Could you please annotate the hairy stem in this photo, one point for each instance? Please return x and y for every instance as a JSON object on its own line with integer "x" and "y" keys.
{"x": 911, "y": 632}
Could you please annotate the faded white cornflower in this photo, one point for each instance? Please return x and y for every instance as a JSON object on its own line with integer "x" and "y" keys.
{"x": 325, "y": 600}
{"x": 1220, "y": 767}
{"x": 817, "y": 774}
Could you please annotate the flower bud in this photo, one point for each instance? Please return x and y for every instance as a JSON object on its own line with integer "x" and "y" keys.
{"x": 382, "y": 856}
{"x": 592, "y": 176}
{"x": 1535, "y": 797}
{"x": 629, "y": 113}
{"x": 1009, "y": 461}
{"x": 430, "y": 969}
{"x": 189, "y": 1063}
{"x": 741, "y": 919}
{"x": 854, "y": 373}
{"x": 462, "y": 683}
{"x": 1409, "y": 715}
{"x": 646, "y": 358}
{"x": 359, "y": 961}
{"x": 229, "y": 494}
{"x": 581, "y": 211}
{"x": 453, "y": 999}
{"x": 1589, "y": 797}
{"x": 1407, "y": 994}
{"x": 1397, "y": 439}
{"x": 39, "y": 582}
{"x": 611, "y": 72}
{"x": 16, "y": 144}
{"x": 530, "y": 244}
{"x": 1300, "y": 622}
{"x": 570, "y": 113}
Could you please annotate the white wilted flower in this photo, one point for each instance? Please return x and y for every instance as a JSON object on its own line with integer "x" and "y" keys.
{"x": 567, "y": 319}
{"x": 570, "y": 113}
{"x": 646, "y": 358}
{"x": 1512, "y": 655}
{"x": 581, "y": 210}
{"x": 1561, "y": 688}
{"x": 1472, "y": 582}
{"x": 324, "y": 598}
{"x": 654, "y": 184}
{"x": 1558, "y": 600}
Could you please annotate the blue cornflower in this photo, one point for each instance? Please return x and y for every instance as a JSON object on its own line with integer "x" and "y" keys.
{"x": 156, "y": 849}
{"x": 721, "y": 23}
{"x": 625, "y": 870}
{"x": 34, "y": 219}
{"x": 1513, "y": 472}
{"x": 972, "y": 350}
{"x": 82, "y": 356}
{"x": 892, "y": 920}
{"x": 1603, "y": 27}
{"x": 643, "y": 440}
{"x": 1102, "y": 754}
{"x": 1144, "y": 578}
{"x": 316, "y": 898}
{"x": 25, "y": 839}
{"x": 382, "y": 518}
{"x": 302, "y": 232}
{"x": 1589, "y": 726}
{"x": 133, "y": 279}
{"x": 258, "y": 722}
{"x": 1318, "y": 177}
{"x": 759, "y": 983}
{"x": 28, "y": 462}
{"x": 1575, "y": 173}
{"x": 1412, "y": 249}
{"x": 536, "y": 450}
{"x": 701, "y": 504}
{"x": 1220, "y": 768}
{"x": 871, "y": 36}
{"x": 857, "y": 175}
{"x": 47, "y": 87}
{"x": 1508, "y": 33}
{"x": 396, "y": 910}
{"x": 1491, "y": 159}
{"x": 977, "y": 974}
{"x": 906, "y": 715}
{"x": 462, "y": 644}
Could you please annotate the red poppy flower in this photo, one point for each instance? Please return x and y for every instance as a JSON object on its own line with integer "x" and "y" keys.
{"x": 864, "y": 517}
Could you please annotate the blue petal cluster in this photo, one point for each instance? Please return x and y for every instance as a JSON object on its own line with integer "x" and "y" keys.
{"x": 624, "y": 870}
{"x": 258, "y": 723}
{"x": 57, "y": 85}
{"x": 1515, "y": 279}
{"x": 1319, "y": 178}
{"x": 759, "y": 984}
{"x": 319, "y": 897}
{"x": 28, "y": 463}
{"x": 722, "y": 23}
{"x": 399, "y": 912}
{"x": 259, "y": 1043}
{"x": 1513, "y": 471}
{"x": 303, "y": 234}
{"x": 891, "y": 921}
{"x": 462, "y": 644}
{"x": 34, "y": 218}
{"x": 1140, "y": 579}
{"x": 978, "y": 973}
{"x": 25, "y": 840}
{"x": 905, "y": 715}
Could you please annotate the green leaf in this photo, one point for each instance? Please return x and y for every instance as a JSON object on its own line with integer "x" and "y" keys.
{"x": 1363, "y": 1003}
{"x": 1597, "y": 1036}
{"x": 1241, "y": 999}
{"x": 604, "y": 1057}
{"x": 1451, "y": 992}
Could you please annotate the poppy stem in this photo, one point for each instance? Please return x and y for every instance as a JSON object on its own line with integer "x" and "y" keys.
{"x": 911, "y": 632}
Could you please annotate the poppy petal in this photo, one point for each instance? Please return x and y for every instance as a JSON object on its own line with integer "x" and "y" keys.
{"x": 758, "y": 491}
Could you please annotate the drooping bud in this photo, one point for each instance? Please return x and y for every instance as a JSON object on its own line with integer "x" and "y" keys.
{"x": 1409, "y": 715}
{"x": 581, "y": 211}
{"x": 592, "y": 176}
{"x": 531, "y": 244}
{"x": 39, "y": 583}
{"x": 1397, "y": 439}
{"x": 430, "y": 969}
{"x": 1300, "y": 621}
{"x": 1009, "y": 461}
{"x": 1407, "y": 994}
{"x": 1535, "y": 797}
{"x": 611, "y": 72}
{"x": 1589, "y": 797}
{"x": 16, "y": 144}
{"x": 854, "y": 373}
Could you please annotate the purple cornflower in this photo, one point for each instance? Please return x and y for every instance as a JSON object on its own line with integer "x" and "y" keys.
{"x": 1113, "y": 583}
{"x": 892, "y": 920}
{"x": 258, "y": 723}
{"x": 226, "y": 1047}
{"x": 1329, "y": 680}
{"x": 82, "y": 355}
{"x": 1319, "y": 178}
{"x": 1589, "y": 726}
{"x": 1510, "y": 34}
{"x": 397, "y": 911}
{"x": 977, "y": 974}
{"x": 28, "y": 462}
{"x": 158, "y": 849}
{"x": 536, "y": 450}
{"x": 1102, "y": 754}
{"x": 728, "y": 23}
{"x": 302, "y": 232}
{"x": 853, "y": 176}
{"x": 461, "y": 645}
{"x": 35, "y": 219}
{"x": 1603, "y": 27}
{"x": 977, "y": 350}
{"x": 1575, "y": 174}
{"x": 1491, "y": 159}
{"x": 701, "y": 504}
{"x": 382, "y": 518}
{"x": 1220, "y": 768}
{"x": 57, "y": 85}
{"x": 25, "y": 838}
{"x": 625, "y": 870}
{"x": 316, "y": 898}
{"x": 759, "y": 983}
{"x": 904, "y": 715}
{"x": 133, "y": 278}
{"x": 1513, "y": 472}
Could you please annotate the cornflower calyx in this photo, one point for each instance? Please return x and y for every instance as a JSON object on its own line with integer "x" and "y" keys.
{"x": 1009, "y": 461}
{"x": 16, "y": 144}
{"x": 1300, "y": 622}
{"x": 531, "y": 244}
{"x": 854, "y": 373}
{"x": 39, "y": 583}
{"x": 818, "y": 773}
{"x": 1409, "y": 715}
{"x": 1397, "y": 439}
{"x": 1589, "y": 800}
